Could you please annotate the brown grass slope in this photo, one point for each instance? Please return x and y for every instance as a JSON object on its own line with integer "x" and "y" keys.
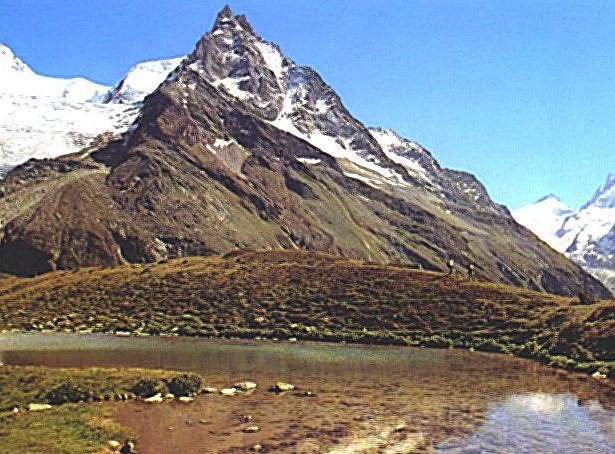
{"x": 312, "y": 296}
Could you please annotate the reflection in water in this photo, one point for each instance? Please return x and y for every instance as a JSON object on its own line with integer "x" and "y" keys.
{"x": 457, "y": 401}
{"x": 540, "y": 423}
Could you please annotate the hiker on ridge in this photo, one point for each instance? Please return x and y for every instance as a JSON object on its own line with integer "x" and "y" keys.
{"x": 471, "y": 271}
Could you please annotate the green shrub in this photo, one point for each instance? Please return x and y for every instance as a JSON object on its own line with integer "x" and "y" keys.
{"x": 148, "y": 387}
{"x": 490, "y": 345}
{"x": 533, "y": 350}
{"x": 562, "y": 362}
{"x": 587, "y": 367}
{"x": 67, "y": 392}
{"x": 436, "y": 341}
{"x": 185, "y": 384}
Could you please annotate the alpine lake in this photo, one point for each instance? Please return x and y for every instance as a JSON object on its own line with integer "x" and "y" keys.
{"x": 348, "y": 398}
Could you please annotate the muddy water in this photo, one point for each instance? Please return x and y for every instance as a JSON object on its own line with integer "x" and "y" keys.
{"x": 366, "y": 399}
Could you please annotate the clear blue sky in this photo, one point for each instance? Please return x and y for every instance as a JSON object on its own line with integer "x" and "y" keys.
{"x": 520, "y": 93}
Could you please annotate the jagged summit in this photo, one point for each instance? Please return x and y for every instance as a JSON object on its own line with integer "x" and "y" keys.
{"x": 241, "y": 148}
{"x": 233, "y": 56}
{"x": 225, "y": 19}
{"x": 234, "y": 59}
{"x": 224, "y": 13}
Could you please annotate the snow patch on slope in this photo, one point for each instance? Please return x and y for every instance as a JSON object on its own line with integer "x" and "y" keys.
{"x": 233, "y": 86}
{"x": 336, "y": 147}
{"x": 309, "y": 161}
{"x": 273, "y": 58}
{"x": 394, "y": 146}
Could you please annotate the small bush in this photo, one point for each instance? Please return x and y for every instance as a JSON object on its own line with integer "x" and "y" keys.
{"x": 532, "y": 350}
{"x": 436, "y": 341}
{"x": 562, "y": 362}
{"x": 490, "y": 345}
{"x": 185, "y": 384}
{"x": 148, "y": 387}
{"x": 67, "y": 392}
{"x": 587, "y": 367}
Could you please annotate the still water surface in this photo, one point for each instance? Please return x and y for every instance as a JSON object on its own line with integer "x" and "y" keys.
{"x": 448, "y": 401}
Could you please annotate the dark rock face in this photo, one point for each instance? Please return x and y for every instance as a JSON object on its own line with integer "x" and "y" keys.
{"x": 242, "y": 148}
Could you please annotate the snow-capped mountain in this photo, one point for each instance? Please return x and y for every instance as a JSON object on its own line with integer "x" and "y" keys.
{"x": 290, "y": 97}
{"x": 545, "y": 217}
{"x": 141, "y": 80}
{"x": 586, "y": 235}
{"x": 295, "y": 99}
{"x": 240, "y": 147}
{"x": 45, "y": 117}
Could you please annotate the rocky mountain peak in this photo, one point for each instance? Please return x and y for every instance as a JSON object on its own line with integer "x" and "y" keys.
{"x": 254, "y": 72}
{"x": 225, "y": 13}
{"x": 226, "y": 20}
{"x": 233, "y": 58}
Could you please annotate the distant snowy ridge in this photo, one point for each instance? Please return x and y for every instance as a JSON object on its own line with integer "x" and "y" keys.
{"x": 45, "y": 117}
{"x": 586, "y": 235}
{"x": 545, "y": 218}
{"x": 141, "y": 80}
{"x": 19, "y": 80}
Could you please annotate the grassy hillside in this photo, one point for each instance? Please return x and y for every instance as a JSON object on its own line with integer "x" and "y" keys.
{"x": 288, "y": 294}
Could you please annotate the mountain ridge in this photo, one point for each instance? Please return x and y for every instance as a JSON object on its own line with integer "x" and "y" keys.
{"x": 240, "y": 148}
